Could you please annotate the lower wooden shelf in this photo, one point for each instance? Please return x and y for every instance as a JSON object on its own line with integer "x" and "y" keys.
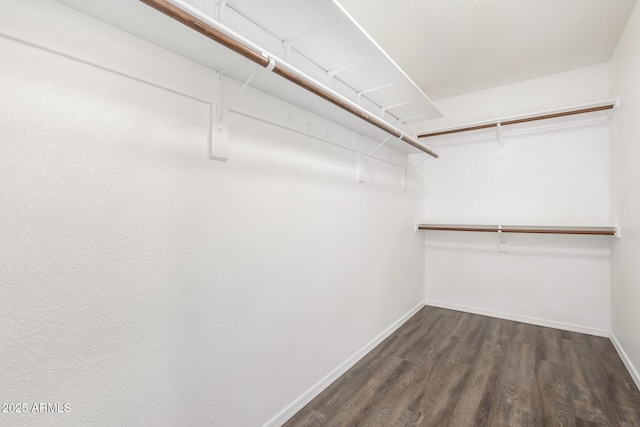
{"x": 607, "y": 230}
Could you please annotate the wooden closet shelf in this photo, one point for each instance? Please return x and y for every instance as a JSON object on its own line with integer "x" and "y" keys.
{"x": 606, "y": 105}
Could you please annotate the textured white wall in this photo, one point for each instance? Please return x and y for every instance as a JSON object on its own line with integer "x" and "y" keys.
{"x": 625, "y": 205}
{"x": 146, "y": 285}
{"x": 552, "y": 176}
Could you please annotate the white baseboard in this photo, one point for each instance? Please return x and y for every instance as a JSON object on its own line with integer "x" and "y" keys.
{"x": 625, "y": 359}
{"x": 307, "y": 396}
{"x": 524, "y": 319}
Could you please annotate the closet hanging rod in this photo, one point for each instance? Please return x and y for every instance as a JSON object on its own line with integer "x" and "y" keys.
{"x": 595, "y": 231}
{"x": 207, "y": 26}
{"x": 602, "y": 106}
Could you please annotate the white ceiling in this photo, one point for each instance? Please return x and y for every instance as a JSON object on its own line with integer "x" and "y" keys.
{"x": 449, "y": 47}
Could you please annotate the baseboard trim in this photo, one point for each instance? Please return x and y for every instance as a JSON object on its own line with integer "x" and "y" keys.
{"x": 625, "y": 359}
{"x": 307, "y": 396}
{"x": 524, "y": 319}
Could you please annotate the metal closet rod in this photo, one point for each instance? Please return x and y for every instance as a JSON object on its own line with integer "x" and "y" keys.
{"x": 205, "y": 25}
{"x": 597, "y": 231}
{"x": 519, "y": 120}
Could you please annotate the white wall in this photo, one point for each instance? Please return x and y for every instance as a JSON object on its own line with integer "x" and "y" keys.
{"x": 144, "y": 284}
{"x": 557, "y": 175}
{"x": 625, "y": 180}
{"x": 577, "y": 86}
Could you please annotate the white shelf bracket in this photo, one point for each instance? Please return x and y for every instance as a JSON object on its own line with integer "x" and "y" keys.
{"x": 407, "y": 119}
{"x": 373, "y": 89}
{"x": 360, "y": 169}
{"x": 617, "y": 235}
{"x": 225, "y": 110}
{"x": 218, "y": 136}
{"x": 383, "y": 110}
{"x": 502, "y": 146}
{"x": 375, "y": 150}
{"x": 219, "y": 9}
{"x": 219, "y": 132}
{"x": 292, "y": 41}
{"x": 225, "y": 70}
{"x": 422, "y": 235}
{"x": 407, "y": 170}
{"x": 418, "y": 164}
{"x": 502, "y": 244}
{"x": 335, "y": 71}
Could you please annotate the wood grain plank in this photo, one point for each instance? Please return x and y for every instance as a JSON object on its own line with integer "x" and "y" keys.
{"x": 513, "y": 403}
{"x": 440, "y": 396}
{"x": 357, "y": 406}
{"x": 444, "y": 367}
{"x": 555, "y": 389}
{"x": 472, "y": 407}
{"x": 309, "y": 418}
{"x": 589, "y": 402}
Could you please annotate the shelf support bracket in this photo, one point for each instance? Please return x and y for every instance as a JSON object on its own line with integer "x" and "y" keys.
{"x": 219, "y": 9}
{"x": 383, "y": 110}
{"x": 408, "y": 169}
{"x": 418, "y": 164}
{"x": 335, "y": 71}
{"x": 219, "y": 132}
{"x": 375, "y": 150}
{"x": 502, "y": 244}
{"x": 225, "y": 70}
{"x": 225, "y": 110}
{"x": 407, "y": 119}
{"x": 502, "y": 146}
{"x": 373, "y": 89}
{"x": 360, "y": 169}
{"x": 292, "y": 41}
{"x": 218, "y": 135}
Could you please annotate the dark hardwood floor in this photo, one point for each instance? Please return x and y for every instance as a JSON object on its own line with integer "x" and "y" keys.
{"x": 448, "y": 368}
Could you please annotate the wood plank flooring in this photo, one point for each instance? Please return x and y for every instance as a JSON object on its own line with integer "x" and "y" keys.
{"x": 448, "y": 368}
